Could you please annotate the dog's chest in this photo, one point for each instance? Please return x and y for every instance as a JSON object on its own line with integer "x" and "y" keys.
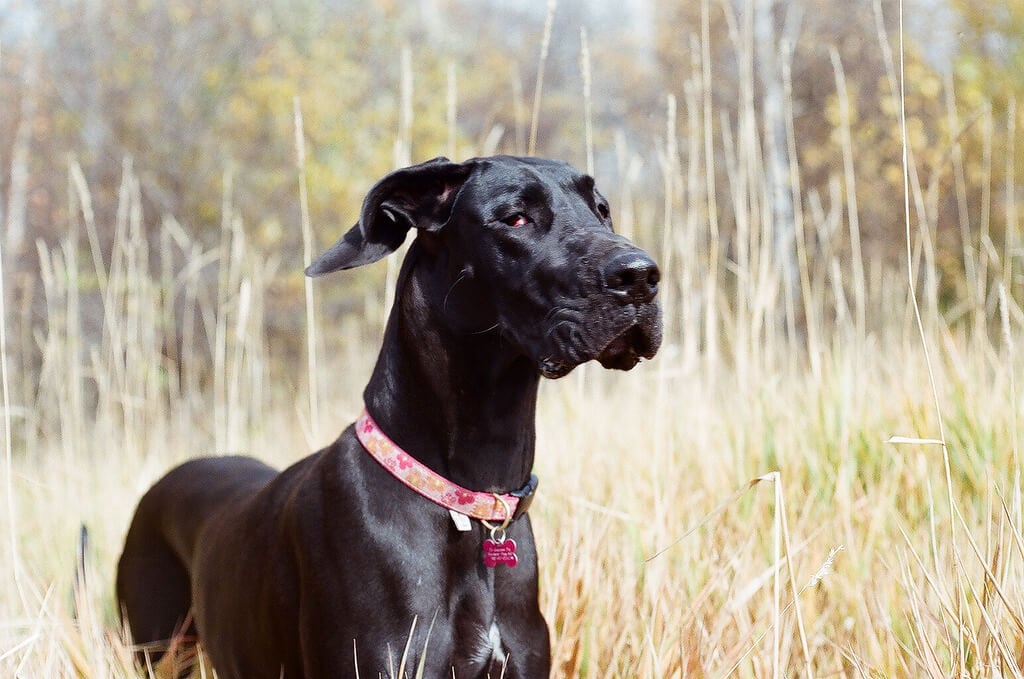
{"x": 488, "y": 646}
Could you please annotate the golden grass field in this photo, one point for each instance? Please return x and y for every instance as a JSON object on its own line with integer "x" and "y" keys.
{"x": 684, "y": 506}
{"x": 736, "y": 507}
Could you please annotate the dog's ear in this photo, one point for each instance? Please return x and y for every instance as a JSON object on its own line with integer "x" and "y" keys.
{"x": 420, "y": 197}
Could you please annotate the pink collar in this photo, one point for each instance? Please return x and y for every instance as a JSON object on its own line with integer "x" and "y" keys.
{"x": 439, "y": 490}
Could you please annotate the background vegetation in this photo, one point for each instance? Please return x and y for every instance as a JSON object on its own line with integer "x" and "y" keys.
{"x": 736, "y": 506}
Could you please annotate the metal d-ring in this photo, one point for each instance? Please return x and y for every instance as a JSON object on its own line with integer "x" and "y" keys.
{"x": 496, "y": 530}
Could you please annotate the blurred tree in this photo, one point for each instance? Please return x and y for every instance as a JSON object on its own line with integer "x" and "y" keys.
{"x": 801, "y": 40}
{"x": 989, "y": 81}
{"x": 196, "y": 90}
{"x": 844, "y": 99}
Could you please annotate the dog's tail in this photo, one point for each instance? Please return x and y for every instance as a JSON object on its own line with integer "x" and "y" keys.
{"x": 80, "y": 580}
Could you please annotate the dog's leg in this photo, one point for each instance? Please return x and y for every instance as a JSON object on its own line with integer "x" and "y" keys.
{"x": 155, "y": 594}
{"x": 155, "y": 578}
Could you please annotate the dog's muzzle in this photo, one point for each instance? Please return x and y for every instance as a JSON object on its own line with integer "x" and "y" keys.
{"x": 632, "y": 276}
{"x": 623, "y": 325}
{"x": 640, "y": 341}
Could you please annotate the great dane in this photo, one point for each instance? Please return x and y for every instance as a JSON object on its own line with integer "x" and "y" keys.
{"x": 405, "y": 544}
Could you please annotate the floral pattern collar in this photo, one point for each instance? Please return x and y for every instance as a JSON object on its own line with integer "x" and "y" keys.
{"x": 498, "y": 507}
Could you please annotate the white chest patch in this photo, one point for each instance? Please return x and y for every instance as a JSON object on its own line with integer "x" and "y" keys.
{"x": 497, "y": 650}
{"x": 490, "y": 649}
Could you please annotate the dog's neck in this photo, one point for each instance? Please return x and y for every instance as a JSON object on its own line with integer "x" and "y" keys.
{"x": 461, "y": 402}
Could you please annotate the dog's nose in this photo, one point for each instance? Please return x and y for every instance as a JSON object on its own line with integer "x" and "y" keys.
{"x": 632, "y": 274}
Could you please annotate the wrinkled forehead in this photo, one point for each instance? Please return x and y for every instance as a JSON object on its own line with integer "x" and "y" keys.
{"x": 529, "y": 179}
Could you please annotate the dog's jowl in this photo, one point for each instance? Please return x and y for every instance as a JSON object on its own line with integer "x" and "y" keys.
{"x": 411, "y": 530}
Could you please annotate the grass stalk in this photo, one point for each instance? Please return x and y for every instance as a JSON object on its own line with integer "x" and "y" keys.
{"x": 588, "y": 117}
{"x": 220, "y": 335}
{"x": 312, "y": 367}
{"x": 986, "y": 251}
{"x": 403, "y": 157}
{"x": 74, "y": 413}
{"x": 538, "y": 89}
{"x": 451, "y": 109}
{"x": 669, "y": 161}
{"x": 710, "y": 187}
{"x": 853, "y": 214}
{"x": 967, "y": 245}
{"x": 811, "y": 323}
{"x": 1010, "y": 237}
{"x": 518, "y": 109}
{"x": 780, "y": 510}
{"x": 8, "y": 420}
{"x": 1008, "y": 347}
{"x": 669, "y": 293}
{"x": 403, "y": 142}
{"x": 912, "y": 283}
{"x": 405, "y": 651}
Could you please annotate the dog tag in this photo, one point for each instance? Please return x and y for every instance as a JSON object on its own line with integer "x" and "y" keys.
{"x": 503, "y": 552}
{"x": 461, "y": 521}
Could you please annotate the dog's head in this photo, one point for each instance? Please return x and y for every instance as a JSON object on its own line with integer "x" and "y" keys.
{"x": 519, "y": 247}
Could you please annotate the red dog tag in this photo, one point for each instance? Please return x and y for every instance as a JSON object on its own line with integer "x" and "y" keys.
{"x": 503, "y": 552}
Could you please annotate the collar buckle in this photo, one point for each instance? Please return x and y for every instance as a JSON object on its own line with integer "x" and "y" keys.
{"x": 525, "y": 495}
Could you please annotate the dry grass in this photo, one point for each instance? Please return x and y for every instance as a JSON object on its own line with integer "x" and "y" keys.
{"x": 684, "y": 507}
{"x": 735, "y": 508}
{"x": 673, "y": 529}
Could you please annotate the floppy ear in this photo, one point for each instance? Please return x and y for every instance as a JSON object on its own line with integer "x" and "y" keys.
{"x": 420, "y": 196}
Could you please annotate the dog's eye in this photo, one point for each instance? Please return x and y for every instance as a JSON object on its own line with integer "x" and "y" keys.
{"x": 602, "y": 209}
{"x": 516, "y": 220}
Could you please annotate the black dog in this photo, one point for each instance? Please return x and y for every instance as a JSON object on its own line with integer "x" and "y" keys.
{"x": 335, "y": 566}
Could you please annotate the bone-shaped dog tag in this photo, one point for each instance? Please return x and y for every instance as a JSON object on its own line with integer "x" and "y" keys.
{"x": 503, "y": 552}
